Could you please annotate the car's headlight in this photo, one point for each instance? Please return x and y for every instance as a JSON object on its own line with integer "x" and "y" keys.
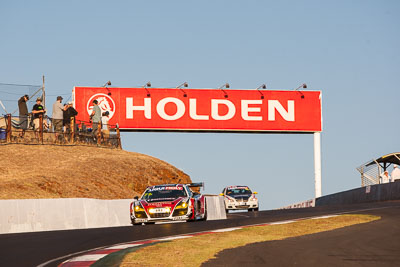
{"x": 138, "y": 207}
{"x": 182, "y": 205}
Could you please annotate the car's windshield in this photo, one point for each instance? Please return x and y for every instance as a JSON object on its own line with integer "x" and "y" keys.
{"x": 238, "y": 191}
{"x": 164, "y": 193}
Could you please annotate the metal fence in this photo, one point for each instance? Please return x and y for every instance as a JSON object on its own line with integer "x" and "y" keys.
{"x": 22, "y": 129}
{"x": 370, "y": 173}
{"x": 10, "y": 93}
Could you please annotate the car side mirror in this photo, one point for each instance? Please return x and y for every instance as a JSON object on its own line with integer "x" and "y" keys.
{"x": 255, "y": 193}
{"x": 136, "y": 198}
{"x": 221, "y": 194}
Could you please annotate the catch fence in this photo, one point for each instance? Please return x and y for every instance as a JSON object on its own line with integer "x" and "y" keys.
{"x": 372, "y": 171}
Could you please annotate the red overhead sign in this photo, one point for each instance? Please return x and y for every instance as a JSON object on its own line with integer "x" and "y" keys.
{"x": 199, "y": 110}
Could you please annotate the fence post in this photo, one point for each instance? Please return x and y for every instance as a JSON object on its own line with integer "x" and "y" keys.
{"x": 72, "y": 128}
{"x": 8, "y": 128}
{"x": 99, "y": 133}
{"x": 41, "y": 128}
{"x": 118, "y": 137}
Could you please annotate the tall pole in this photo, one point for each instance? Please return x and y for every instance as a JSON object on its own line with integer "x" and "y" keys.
{"x": 317, "y": 164}
{"x": 44, "y": 94}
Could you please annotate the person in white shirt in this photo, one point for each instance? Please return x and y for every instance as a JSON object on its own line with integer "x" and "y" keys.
{"x": 385, "y": 178}
{"x": 105, "y": 128}
{"x": 395, "y": 173}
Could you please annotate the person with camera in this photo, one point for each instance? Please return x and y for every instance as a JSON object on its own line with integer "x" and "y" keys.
{"x": 69, "y": 113}
{"x": 23, "y": 114}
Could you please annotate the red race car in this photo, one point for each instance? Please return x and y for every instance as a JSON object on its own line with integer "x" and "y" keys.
{"x": 169, "y": 202}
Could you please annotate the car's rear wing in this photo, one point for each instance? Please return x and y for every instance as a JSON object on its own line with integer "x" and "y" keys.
{"x": 196, "y": 185}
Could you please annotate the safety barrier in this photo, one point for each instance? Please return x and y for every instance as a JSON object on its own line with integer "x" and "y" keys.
{"x": 215, "y": 207}
{"x": 34, "y": 215}
{"x": 304, "y": 204}
{"x": 366, "y": 194}
{"x": 370, "y": 193}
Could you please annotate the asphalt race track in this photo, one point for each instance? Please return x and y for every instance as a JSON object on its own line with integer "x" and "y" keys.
{"x": 371, "y": 244}
{"x": 338, "y": 247}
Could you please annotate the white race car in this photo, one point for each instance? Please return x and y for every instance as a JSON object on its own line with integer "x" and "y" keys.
{"x": 239, "y": 198}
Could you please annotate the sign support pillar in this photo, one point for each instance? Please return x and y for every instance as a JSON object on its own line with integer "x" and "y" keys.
{"x": 317, "y": 163}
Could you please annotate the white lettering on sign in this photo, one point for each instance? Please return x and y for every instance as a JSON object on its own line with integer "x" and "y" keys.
{"x": 276, "y": 105}
{"x": 215, "y": 103}
{"x": 130, "y": 108}
{"x": 193, "y": 111}
{"x": 247, "y": 106}
{"x": 246, "y": 109}
{"x": 180, "y": 108}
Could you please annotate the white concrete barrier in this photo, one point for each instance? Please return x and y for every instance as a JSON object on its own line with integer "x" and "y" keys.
{"x": 304, "y": 204}
{"x": 215, "y": 207}
{"x": 31, "y": 215}
{"x": 34, "y": 215}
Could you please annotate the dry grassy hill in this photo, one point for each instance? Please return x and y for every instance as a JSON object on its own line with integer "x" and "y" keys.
{"x": 45, "y": 171}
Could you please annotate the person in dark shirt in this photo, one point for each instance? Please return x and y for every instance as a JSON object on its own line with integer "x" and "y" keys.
{"x": 37, "y": 110}
{"x": 23, "y": 114}
{"x": 69, "y": 113}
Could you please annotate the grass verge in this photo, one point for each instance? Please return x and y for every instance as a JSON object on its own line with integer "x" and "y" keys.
{"x": 196, "y": 250}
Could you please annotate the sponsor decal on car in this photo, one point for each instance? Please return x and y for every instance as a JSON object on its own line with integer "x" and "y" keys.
{"x": 161, "y": 188}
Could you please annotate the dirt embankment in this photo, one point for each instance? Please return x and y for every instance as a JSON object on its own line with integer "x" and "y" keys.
{"x": 40, "y": 171}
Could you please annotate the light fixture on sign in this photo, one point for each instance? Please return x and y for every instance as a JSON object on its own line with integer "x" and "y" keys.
{"x": 301, "y": 86}
{"x": 221, "y": 88}
{"x": 148, "y": 84}
{"x": 262, "y": 86}
{"x": 185, "y": 84}
{"x": 108, "y": 83}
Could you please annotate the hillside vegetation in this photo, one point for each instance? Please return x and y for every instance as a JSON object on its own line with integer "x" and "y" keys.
{"x": 47, "y": 171}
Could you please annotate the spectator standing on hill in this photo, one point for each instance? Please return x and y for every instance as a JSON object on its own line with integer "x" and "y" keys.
{"x": 105, "y": 129}
{"x": 385, "y": 178}
{"x": 23, "y": 114}
{"x": 69, "y": 113}
{"x": 57, "y": 117}
{"x": 96, "y": 118}
{"x": 37, "y": 110}
{"x": 395, "y": 173}
{"x": 64, "y": 118}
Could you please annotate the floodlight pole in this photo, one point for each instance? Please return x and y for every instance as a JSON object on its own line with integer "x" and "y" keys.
{"x": 317, "y": 163}
{"x": 43, "y": 94}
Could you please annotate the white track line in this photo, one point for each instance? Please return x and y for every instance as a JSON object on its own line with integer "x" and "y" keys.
{"x": 225, "y": 230}
{"x": 124, "y": 246}
{"x": 283, "y": 222}
{"x": 173, "y": 238}
{"x": 88, "y": 257}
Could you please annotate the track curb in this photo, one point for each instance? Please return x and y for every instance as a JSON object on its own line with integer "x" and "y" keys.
{"x": 96, "y": 255}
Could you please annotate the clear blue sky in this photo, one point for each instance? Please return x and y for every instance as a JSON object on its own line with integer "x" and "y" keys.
{"x": 347, "y": 49}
